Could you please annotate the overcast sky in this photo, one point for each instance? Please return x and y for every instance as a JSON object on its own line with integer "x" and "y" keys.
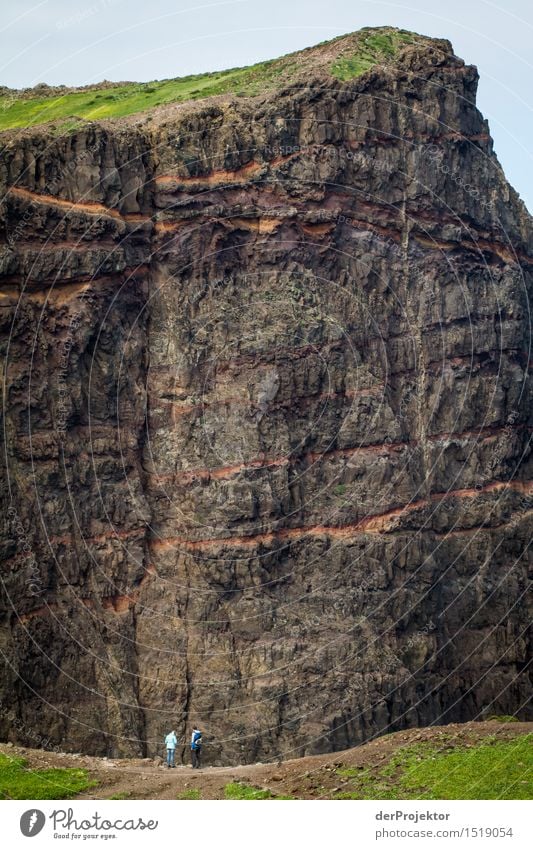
{"x": 74, "y": 42}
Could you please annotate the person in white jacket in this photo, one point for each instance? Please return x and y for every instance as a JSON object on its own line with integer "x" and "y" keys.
{"x": 171, "y": 741}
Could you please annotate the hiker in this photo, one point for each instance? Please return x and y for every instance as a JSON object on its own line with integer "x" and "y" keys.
{"x": 196, "y": 747}
{"x": 171, "y": 741}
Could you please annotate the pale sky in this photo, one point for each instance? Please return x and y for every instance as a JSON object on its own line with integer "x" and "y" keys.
{"x": 75, "y": 43}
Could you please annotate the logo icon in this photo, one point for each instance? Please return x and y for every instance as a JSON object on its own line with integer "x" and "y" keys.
{"x": 32, "y": 822}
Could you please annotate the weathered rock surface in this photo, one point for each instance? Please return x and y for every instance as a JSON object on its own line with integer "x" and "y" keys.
{"x": 267, "y": 420}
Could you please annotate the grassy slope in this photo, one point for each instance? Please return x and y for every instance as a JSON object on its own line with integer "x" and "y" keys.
{"x": 128, "y": 99}
{"x": 492, "y": 770}
{"x": 367, "y": 48}
{"x": 18, "y": 782}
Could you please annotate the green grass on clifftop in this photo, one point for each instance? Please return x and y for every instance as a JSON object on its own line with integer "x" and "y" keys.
{"x": 490, "y": 770}
{"x": 93, "y": 105}
{"x": 373, "y": 48}
{"x": 19, "y": 782}
{"x": 342, "y": 58}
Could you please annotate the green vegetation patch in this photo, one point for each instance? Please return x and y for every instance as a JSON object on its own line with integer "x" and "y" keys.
{"x": 492, "y": 769}
{"x": 502, "y": 718}
{"x": 130, "y": 98}
{"x": 17, "y": 781}
{"x": 238, "y": 790}
{"x": 191, "y": 793}
{"x": 372, "y": 49}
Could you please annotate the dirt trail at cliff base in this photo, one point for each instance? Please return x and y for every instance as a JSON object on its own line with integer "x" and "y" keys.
{"x": 310, "y": 777}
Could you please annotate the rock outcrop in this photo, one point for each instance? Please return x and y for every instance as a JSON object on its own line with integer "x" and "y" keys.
{"x": 266, "y": 419}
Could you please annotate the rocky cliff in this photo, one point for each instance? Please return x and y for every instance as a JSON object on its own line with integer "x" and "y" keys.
{"x": 266, "y": 417}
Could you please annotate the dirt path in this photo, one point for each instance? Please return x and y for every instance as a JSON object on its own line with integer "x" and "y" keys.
{"x": 308, "y": 778}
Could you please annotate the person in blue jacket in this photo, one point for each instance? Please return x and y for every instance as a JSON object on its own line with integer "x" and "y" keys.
{"x": 171, "y": 741}
{"x": 196, "y": 747}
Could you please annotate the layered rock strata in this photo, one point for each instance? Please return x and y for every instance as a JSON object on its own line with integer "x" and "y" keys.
{"x": 267, "y": 420}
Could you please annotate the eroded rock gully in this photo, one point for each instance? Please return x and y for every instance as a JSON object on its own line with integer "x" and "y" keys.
{"x": 267, "y": 421}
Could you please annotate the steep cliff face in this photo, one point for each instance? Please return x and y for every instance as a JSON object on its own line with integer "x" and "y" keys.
{"x": 267, "y": 419}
